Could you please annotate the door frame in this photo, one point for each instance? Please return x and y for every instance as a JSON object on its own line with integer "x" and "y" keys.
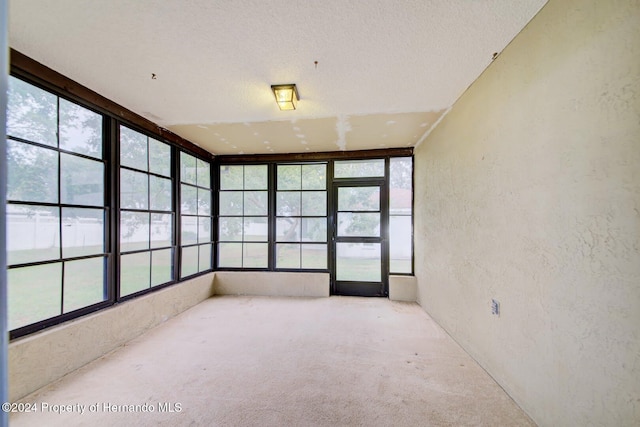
{"x": 360, "y": 288}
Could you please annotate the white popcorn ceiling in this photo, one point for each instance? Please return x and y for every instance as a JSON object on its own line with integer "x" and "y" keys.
{"x": 386, "y": 69}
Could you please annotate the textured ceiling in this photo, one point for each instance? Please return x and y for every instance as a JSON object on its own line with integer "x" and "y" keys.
{"x": 386, "y": 69}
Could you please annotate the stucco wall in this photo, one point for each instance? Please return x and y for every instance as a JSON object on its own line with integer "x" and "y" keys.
{"x": 40, "y": 358}
{"x": 528, "y": 192}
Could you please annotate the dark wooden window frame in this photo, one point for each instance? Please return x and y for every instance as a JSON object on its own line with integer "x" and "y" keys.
{"x": 113, "y": 115}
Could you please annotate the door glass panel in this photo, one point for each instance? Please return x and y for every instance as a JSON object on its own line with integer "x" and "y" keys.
{"x": 359, "y": 262}
{"x": 359, "y": 199}
{"x": 359, "y": 224}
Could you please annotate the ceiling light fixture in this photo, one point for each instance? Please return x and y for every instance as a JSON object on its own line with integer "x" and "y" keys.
{"x": 286, "y": 96}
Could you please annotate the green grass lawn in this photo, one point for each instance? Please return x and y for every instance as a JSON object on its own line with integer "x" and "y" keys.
{"x": 37, "y": 293}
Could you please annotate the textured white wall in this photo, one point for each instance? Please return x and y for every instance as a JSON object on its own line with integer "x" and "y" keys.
{"x": 529, "y": 192}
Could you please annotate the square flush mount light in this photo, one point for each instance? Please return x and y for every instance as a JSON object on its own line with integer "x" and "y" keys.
{"x": 286, "y": 96}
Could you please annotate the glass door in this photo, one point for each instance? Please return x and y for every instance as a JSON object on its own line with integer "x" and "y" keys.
{"x": 359, "y": 239}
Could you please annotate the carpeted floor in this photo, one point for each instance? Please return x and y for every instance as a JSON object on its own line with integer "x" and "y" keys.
{"x": 248, "y": 361}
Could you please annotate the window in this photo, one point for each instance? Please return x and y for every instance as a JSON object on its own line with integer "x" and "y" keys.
{"x": 400, "y": 215}
{"x": 195, "y": 215}
{"x": 69, "y": 167}
{"x": 56, "y": 206}
{"x": 146, "y": 217}
{"x": 243, "y": 216}
{"x": 359, "y": 168}
{"x": 301, "y": 216}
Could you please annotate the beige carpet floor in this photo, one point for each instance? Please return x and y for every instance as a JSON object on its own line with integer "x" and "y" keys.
{"x": 248, "y": 361}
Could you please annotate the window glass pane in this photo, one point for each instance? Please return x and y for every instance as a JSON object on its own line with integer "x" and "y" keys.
{"x": 255, "y": 203}
{"x": 359, "y": 198}
{"x": 189, "y": 230}
{"x": 161, "y": 230}
{"x": 230, "y": 202}
{"x": 289, "y": 177}
{"x": 81, "y": 180}
{"x": 187, "y": 168}
{"x": 400, "y": 244}
{"x": 230, "y": 228}
{"x": 160, "y": 193}
{"x": 134, "y": 190}
{"x": 288, "y": 203}
{"x": 204, "y": 229}
{"x": 400, "y": 184}
{"x": 83, "y": 283}
{"x": 80, "y": 129}
{"x": 159, "y": 157}
{"x": 204, "y": 202}
{"x": 314, "y": 177}
{"x": 354, "y": 224}
{"x": 31, "y": 113}
{"x": 34, "y": 293}
{"x": 82, "y": 232}
{"x": 288, "y": 229}
{"x": 358, "y": 262}
{"x": 254, "y": 255}
{"x": 314, "y": 256}
{"x": 358, "y": 168}
{"x": 314, "y": 229}
{"x": 135, "y": 270}
{"x": 189, "y": 261}
{"x": 32, "y": 173}
{"x": 33, "y": 233}
{"x": 204, "y": 173}
{"x": 161, "y": 262}
{"x": 134, "y": 231}
{"x": 288, "y": 255}
{"x": 133, "y": 149}
{"x": 189, "y": 199}
{"x": 230, "y": 255}
{"x": 231, "y": 177}
{"x": 204, "y": 257}
{"x": 314, "y": 203}
{"x": 255, "y": 177}
{"x": 256, "y": 229}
